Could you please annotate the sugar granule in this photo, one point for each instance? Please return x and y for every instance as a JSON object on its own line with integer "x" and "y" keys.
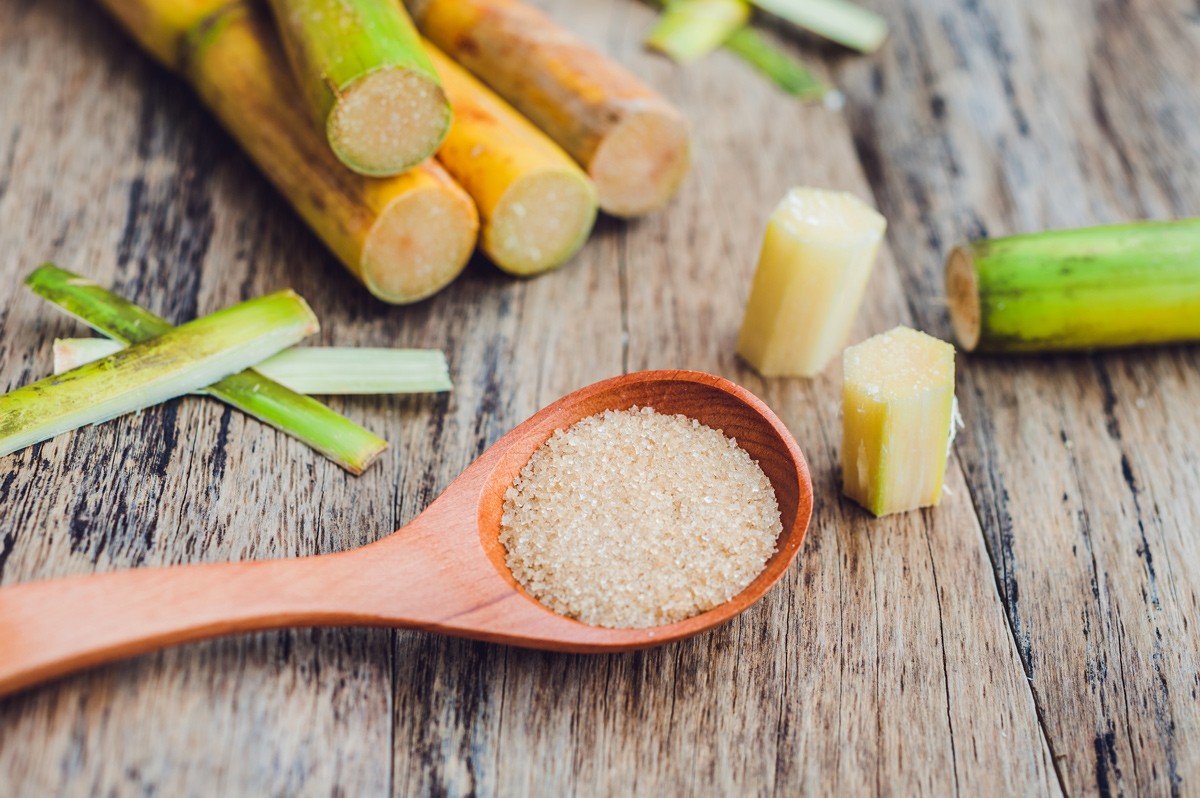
{"x": 634, "y": 518}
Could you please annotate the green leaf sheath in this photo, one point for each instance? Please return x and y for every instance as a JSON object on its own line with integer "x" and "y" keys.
{"x": 691, "y": 29}
{"x": 178, "y": 361}
{"x": 302, "y": 417}
{"x": 1092, "y": 288}
{"x": 837, "y": 20}
{"x": 311, "y": 370}
{"x": 787, "y": 73}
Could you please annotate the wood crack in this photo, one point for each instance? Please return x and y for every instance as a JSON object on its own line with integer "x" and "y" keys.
{"x": 942, "y": 636}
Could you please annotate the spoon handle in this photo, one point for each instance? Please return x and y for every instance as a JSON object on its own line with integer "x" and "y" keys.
{"x": 51, "y": 628}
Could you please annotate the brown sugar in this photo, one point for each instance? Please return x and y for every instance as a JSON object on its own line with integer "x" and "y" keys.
{"x": 635, "y": 518}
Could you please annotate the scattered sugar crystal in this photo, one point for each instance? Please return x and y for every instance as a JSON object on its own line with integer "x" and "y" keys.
{"x": 635, "y": 518}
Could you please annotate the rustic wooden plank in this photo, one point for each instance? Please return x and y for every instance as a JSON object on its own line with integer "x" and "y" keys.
{"x": 868, "y": 673}
{"x": 1001, "y": 118}
{"x": 112, "y": 169}
{"x": 883, "y": 662}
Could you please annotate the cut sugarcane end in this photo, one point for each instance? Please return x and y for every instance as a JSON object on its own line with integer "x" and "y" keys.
{"x": 541, "y": 221}
{"x": 388, "y": 121}
{"x": 419, "y": 244}
{"x": 962, "y": 294}
{"x": 898, "y": 414}
{"x": 641, "y": 163}
{"x": 817, "y": 254}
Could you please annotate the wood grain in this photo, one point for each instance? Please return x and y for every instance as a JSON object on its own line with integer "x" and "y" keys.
{"x": 1015, "y": 118}
{"x": 1031, "y": 635}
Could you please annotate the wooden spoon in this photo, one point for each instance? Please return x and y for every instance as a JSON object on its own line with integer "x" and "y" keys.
{"x": 443, "y": 572}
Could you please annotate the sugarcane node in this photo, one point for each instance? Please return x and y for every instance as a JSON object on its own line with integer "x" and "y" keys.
{"x": 962, "y": 296}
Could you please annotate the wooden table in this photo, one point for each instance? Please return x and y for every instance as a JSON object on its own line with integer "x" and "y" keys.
{"x": 1037, "y": 633}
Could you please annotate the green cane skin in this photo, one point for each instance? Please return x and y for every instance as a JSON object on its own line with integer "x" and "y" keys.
{"x": 786, "y": 72}
{"x": 1095, "y": 288}
{"x": 304, "y": 418}
{"x": 331, "y": 44}
{"x": 180, "y": 360}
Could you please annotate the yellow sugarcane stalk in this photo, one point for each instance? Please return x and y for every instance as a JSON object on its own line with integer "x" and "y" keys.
{"x": 536, "y": 206}
{"x": 404, "y": 237}
{"x": 633, "y": 143}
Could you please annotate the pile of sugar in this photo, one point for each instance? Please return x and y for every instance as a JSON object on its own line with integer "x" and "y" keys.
{"x": 635, "y": 518}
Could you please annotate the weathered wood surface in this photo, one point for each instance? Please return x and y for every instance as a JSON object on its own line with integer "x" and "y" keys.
{"x": 1034, "y": 634}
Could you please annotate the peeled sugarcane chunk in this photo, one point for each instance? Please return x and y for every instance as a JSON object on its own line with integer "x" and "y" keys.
{"x": 897, "y": 417}
{"x": 813, "y": 268}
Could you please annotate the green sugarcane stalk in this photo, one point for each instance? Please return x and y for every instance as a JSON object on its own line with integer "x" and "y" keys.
{"x": 180, "y": 360}
{"x": 304, "y": 418}
{"x": 691, "y": 29}
{"x": 367, "y": 79}
{"x": 1093, "y": 288}
{"x": 328, "y": 370}
{"x": 837, "y": 20}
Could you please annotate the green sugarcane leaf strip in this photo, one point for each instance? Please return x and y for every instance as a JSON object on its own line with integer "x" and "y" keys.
{"x": 304, "y": 418}
{"x": 787, "y": 73}
{"x": 836, "y": 20}
{"x": 180, "y": 360}
{"x": 311, "y": 370}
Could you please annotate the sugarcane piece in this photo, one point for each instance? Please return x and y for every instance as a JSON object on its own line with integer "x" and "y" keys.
{"x": 367, "y": 81}
{"x": 691, "y": 29}
{"x": 177, "y": 362}
{"x": 897, "y": 420}
{"x": 303, "y": 418}
{"x": 632, "y": 143}
{"x": 837, "y": 20}
{"x": 787, "y": 73}
{"x": 536, "y": 206}
{"x": 1091, "y": 288}
{"x": 816, "y": 256}
{"x": 326, "y": 370}
{"x": 404, "y": 237}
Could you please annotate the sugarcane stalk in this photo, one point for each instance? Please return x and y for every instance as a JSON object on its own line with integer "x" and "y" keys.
{"x": 305, "y": 419}
{"x": 329, "y": 370}
{"x": 536, "y": 205}
{"x": 367, "y": 81}
{"x": 1092, "y": 288}
{"x": 161, "y": 26}
{"x": 816, "y": 257}
{"x": 632, "y": 143}
{"x": 180, "y": 360}
{"x": 837, "y": 20}
{"x": 898, "y": 417}
{"x": 691, "y": 29}
{"x": 404, "y": 237}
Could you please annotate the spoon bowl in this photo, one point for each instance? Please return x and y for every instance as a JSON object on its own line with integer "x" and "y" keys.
{"x": 443, "y": 572}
